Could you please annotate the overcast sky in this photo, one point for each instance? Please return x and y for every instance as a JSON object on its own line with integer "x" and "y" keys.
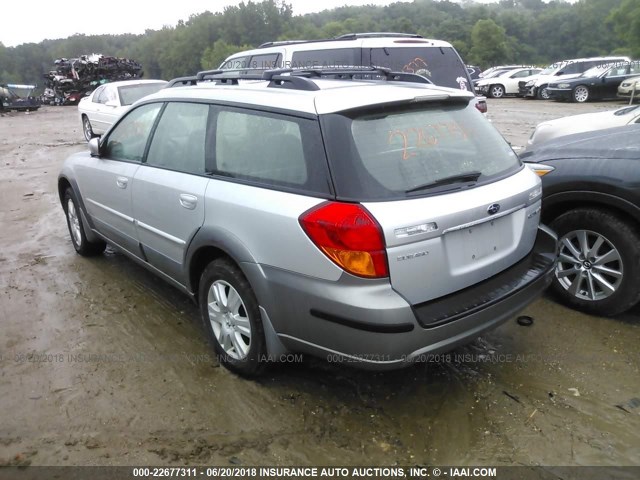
{"x": 36, "y": 21}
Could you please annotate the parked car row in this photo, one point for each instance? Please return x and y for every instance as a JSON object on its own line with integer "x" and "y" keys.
{"x": 577, "y": 80}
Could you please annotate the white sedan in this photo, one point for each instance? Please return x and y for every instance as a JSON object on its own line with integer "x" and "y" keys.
{"x": 100, "y": 109}
{"x": 506, "y": 83}
{"x": 586, "y": 122}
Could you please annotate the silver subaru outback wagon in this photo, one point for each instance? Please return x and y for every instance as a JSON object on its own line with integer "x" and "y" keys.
{"x": 368, "y": 221}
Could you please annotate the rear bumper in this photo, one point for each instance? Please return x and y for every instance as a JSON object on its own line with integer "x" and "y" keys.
{"x": 370, "y": 325}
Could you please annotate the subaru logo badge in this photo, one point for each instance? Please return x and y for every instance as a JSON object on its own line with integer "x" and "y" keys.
{"x": 493, "y": 209}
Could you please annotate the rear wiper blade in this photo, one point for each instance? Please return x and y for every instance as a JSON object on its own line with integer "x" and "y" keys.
{"x": 462, "y": 178}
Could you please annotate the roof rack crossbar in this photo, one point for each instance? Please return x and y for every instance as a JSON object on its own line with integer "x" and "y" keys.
{"x": 364, "y": 72}
{"x": 292, "y": 82}
{"x": 182, "y": 81}
{"x": 208, "y": 74}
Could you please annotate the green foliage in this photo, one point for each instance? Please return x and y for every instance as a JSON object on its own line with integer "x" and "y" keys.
{"x": 518, "y": 31}
{"x": 626, "y": 22}
{"x": 489, "y": 44}
{"x": 215, "y": 54}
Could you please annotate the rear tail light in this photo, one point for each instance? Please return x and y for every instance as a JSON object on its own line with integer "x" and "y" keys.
{"x": 349, "y": 236}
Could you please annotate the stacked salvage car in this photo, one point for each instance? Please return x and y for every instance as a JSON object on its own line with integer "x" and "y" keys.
{"x": 73, "y": 78}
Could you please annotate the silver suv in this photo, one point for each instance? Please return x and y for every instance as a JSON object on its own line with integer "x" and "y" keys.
{"x": 372, "y": 221}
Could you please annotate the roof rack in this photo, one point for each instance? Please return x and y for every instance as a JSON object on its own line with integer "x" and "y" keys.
{"x": 345, "y": 37}
{"x": 299, "y": 79}
{"x": 284, "y": 42}
{"x": 351, "y": 36}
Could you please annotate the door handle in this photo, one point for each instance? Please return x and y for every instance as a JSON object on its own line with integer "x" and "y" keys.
{"x": 122, "y": 182}
{"x": 188, "y": 201}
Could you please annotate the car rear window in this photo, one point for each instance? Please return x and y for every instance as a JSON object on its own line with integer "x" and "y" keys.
{"x": 392, "y": 153}
{"x": 441, "y": 65}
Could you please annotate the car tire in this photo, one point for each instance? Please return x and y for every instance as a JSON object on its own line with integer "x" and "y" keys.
{"x": 600, "y": 280}
{"x": 542, "y": 93}
{"x": 580, "y": 94}
{"x": 76, "y": 229}
{"x": 496, "y": 91}
{"x": 231, "y": 315}
{"x": 87, "y": 130}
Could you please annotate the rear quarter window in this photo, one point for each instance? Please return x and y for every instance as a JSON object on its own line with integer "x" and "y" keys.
{"x": 270, "y": 150}
{"x": 379, "y": 155}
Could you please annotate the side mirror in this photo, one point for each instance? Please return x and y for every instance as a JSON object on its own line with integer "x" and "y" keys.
{"x": 94, "y": 147}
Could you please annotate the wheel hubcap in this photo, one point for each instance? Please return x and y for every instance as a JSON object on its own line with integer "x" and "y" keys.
{"x": 581, "y": 94}
{"x": 544, "y": 94}
{"x": 589, "y": 267}
{"x": 229, "y": 319}
{"x": 87, "y": 129}
{"x": 74, "y": 222}
{"x": 497, "y": 92}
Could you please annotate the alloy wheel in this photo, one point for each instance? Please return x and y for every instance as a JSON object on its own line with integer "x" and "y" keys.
{"x": 74, "y": 222}
{"x": 581, "y": 94}
{"x": 229, "y": 319}
{"x": 590, "y": 267}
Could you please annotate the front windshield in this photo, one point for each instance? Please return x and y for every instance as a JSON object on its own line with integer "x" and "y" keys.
{"x": 550, "y": 69}
{"x": 496, "y": 73}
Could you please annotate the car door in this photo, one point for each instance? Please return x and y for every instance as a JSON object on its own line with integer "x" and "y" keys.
{"x": 612, "y": 80}
{"x": 169, "y": 188}
{"x": 105, "y": 181}
{"x": 511, "y": 81}
{"x": 102, "y": 118}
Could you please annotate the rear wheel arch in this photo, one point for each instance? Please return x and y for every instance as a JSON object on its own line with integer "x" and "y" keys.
{"x": 63, "y": 184}
{"x": 198, "y": 262}
{"x": 558, "y": 204}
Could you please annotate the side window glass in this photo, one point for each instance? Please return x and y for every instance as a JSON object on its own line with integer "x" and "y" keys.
{"x": 328, "y": 58}
{"x": 265, "y": 62}
{"x": 573, "y": 68}
{"x": 238, "y": 63}
{"x": 178, "y": 141}
{"x": 127, "y": 141}
{"x": 104, "y": 95}
{"x": 260, "y": 147}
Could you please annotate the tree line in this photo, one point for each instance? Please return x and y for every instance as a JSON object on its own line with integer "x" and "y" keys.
{"x": 511, "y": 31}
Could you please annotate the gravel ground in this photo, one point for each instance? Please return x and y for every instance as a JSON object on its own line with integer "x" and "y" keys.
{"x": 103, "y": 364}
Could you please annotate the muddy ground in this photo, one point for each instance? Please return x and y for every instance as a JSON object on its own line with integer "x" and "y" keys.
{"x": 103, "y": 364}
